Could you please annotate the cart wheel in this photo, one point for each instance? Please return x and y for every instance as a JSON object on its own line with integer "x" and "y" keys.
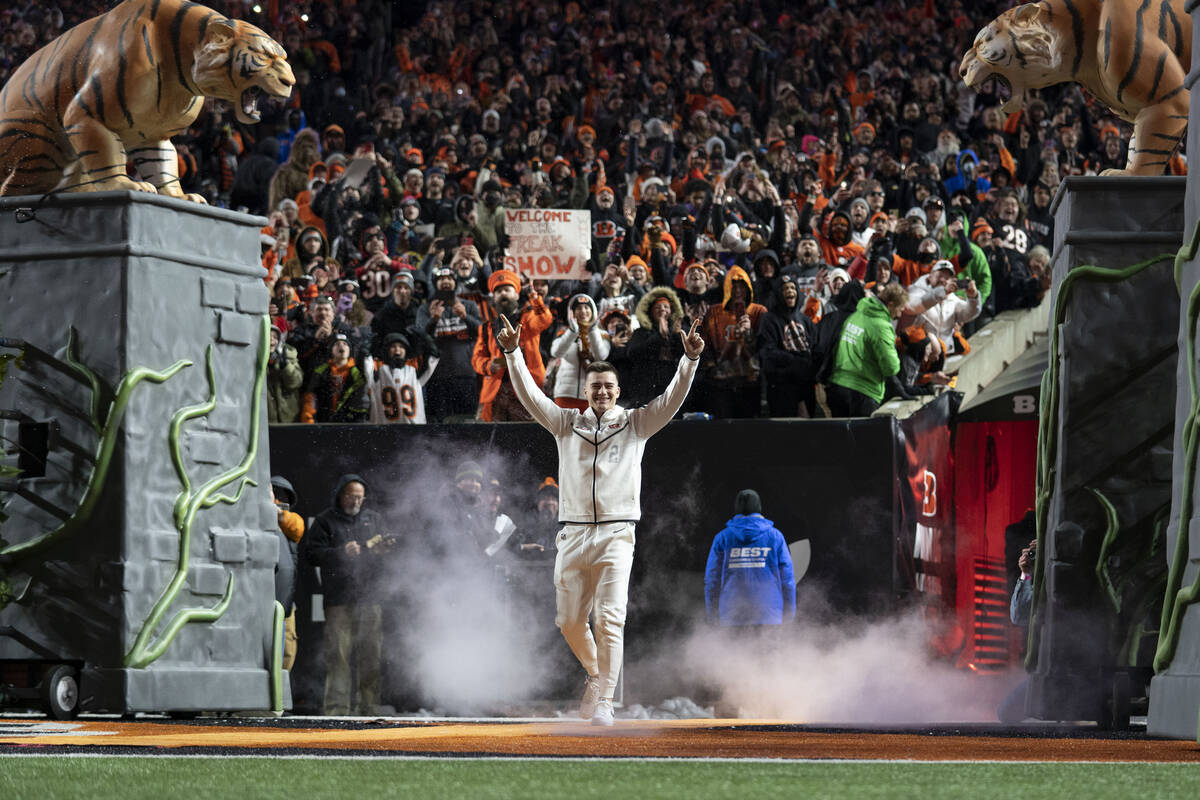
{"x": 60, "y": 692}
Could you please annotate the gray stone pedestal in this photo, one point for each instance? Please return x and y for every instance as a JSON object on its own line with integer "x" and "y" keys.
{"x": 1108, "y": 440}
{"x": 141, "y": 543}
{"x": 1175, "y": 689}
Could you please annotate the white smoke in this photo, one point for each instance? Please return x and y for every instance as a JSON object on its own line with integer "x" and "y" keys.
{"x": 472, "y": 634}
{"x": 860, "y": 672}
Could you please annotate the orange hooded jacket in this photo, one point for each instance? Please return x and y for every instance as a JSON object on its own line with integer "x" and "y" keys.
{"x": 535, "y": 319}
{"x": 720, "y": 321}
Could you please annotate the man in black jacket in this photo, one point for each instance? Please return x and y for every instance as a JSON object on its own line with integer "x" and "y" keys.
{"x": 786, "y": 340}
{"x": 346, "y": 542}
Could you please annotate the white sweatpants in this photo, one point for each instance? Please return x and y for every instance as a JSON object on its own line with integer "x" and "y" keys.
{"x": 591, "y": 575}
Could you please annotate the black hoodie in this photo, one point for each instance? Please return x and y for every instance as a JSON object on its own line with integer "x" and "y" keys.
{"x": 765, "y": 289}
{"x": 346, "y": 579}
{"x": 786, "y": 342}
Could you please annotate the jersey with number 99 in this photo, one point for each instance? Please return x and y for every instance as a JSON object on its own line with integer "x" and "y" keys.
{"x": 397, "y": 394}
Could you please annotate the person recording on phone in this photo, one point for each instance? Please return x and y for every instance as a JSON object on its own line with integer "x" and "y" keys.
{"x": 452, "y": 321}
{"x": 1012, "y": 707}
{"x": 465, "y": 224}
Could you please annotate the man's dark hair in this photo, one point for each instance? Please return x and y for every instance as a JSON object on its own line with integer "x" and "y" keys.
{"x": 599, "y": 366}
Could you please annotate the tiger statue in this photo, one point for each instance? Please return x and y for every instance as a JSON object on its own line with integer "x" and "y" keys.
{"x": 114, "y": 90}
{"x": 1132, "y": 55}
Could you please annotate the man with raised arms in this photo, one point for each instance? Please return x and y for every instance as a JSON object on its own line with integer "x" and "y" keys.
{"x": 600, "y": 480}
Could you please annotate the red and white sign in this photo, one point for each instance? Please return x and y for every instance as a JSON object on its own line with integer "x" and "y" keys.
{"x": 551, "y": 244}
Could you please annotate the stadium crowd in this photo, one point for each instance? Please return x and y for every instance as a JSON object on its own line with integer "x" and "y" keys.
{"x": 810, "y": 180}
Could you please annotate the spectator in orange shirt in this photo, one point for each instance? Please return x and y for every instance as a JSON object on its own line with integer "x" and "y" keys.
{"x": 836, "y": 246}
{"x": 497, "y": 400}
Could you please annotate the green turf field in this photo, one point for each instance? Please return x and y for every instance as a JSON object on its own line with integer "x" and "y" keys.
{"x": 294, "y": 779}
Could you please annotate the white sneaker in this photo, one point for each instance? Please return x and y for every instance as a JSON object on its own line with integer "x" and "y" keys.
{"x": 604, "y": 714}
{"x": 591, "y": 696}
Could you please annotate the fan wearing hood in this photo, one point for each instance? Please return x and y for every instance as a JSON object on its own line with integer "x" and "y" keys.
{"x": 965, "y": 179}
{"x": 343, "y": 541}
{"x": 284, "y": 378}
{"x": 786, "y": 341}
{"x": 291, "y": 531}
{"x": 766, "y": 275}
{"x": 749, "y": 578}
{"x": 730, "y": 332}
{"x": 607, "y": 224}
{"x": 312, "y": 250}
{"x": 837, "y": 247}
{"x": 465, "y": 222}
{"x": 577, "y": 345}
{"x": 292, "y": 176}
{"x": 655, "y": 347}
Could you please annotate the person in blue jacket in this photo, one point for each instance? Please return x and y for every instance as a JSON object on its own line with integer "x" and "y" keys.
{"x": 749, "y": 580}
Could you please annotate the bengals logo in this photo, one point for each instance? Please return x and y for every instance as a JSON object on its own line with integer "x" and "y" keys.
{"x": 604, "y": 229}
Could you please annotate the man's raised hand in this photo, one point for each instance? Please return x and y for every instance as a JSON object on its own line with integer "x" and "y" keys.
{"x": 693, "y": 342}
{"x": 508, "y": 336}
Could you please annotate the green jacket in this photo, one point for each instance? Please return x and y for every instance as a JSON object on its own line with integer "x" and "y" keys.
{"x": 866, "y": 352}
{"x": 974, "y": 267}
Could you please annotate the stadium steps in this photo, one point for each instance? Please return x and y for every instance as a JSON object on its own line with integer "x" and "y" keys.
{"x": 993, "y": 349}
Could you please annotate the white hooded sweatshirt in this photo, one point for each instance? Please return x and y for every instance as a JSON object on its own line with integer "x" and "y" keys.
{"x": 568, "y": 348}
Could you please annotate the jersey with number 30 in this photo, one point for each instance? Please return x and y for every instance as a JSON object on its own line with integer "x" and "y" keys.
{"x": 397, "y": 394}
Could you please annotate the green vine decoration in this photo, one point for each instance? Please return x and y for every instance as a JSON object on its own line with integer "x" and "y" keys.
{"x": 1111, "y": 530}
{"x": 277, "y": 658}
{"x": 146, "y": 648}
{"x": 11, "y": 554}
{"x": 1047, "y": 440}
{"x": 83, "y": 373}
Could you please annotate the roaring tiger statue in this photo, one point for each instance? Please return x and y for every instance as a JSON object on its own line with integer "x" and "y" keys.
{"x": 114, "y": 90}
{"x": 1132, "y": 55}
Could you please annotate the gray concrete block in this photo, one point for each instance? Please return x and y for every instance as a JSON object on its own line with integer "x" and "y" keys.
{"x": 217, "y": 292}
{"x": 164, "y": 546}
{"x": 252, "y": 297}
{"x": 263, "y": 547}
{"x": 208, "y": 579}
{"x": 229, "y": 546}
{"x": 205, "y": 447}
{"x": 230, "y": 416}
{"x": 268, "y": 516}
{"x": 236, "y": 328}
{"x": 226, "y": 643}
